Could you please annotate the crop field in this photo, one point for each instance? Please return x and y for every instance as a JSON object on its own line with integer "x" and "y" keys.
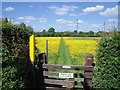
{"x": 67, "y": 50}
{"x": 53, "y": 46}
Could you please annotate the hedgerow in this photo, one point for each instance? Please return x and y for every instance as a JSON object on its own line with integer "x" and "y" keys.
{"x": 17, "y": 71}
{"x": 107, "y": 74}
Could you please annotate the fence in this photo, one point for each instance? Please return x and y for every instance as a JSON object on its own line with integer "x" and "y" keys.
{"x": 53, "y": 80}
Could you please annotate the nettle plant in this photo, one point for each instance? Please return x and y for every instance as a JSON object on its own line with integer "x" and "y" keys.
{"x": 107, "y": 74}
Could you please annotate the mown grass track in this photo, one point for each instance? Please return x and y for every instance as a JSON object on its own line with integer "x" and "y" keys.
{"x": 63, "y": 53}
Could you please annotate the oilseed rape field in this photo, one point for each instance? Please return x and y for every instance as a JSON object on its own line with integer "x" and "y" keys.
{"x": 67, "y": 50}
{"x": 53, "y": 46}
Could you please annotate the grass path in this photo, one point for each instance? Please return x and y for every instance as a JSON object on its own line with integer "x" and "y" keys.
{"x": 64, "y": 57}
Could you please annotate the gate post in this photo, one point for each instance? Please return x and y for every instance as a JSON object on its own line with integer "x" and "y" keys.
{"x": 88, "y": 81}
{"x": 41, "y": 58}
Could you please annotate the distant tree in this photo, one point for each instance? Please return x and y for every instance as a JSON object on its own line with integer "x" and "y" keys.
{"x": 51, "y": 31}
{"x": 81, "y": 33}
{"x": 75, "y": 31}
{"x": 90, "y": 33}
{"x": 43, "y": 31}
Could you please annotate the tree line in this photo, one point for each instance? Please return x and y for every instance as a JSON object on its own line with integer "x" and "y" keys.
{"x": 52, "y": 33}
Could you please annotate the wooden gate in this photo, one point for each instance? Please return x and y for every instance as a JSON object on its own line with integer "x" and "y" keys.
{"x": 51, "y": 78}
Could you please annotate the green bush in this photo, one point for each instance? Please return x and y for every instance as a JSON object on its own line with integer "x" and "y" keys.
{"x": 107, "y": 74}
{"x": 17, "y": 71}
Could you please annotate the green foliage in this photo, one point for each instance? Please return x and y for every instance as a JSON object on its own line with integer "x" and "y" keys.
{"x": 16, "y": 67}
{"x": 107, "y": 74}
{"x": 51, "y": 32}
{"x": 51, "y": 29}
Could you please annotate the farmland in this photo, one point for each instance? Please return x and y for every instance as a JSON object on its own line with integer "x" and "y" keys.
{"x": 67, "y": 50}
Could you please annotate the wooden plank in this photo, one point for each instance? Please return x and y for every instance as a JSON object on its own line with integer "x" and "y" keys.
{"x": 73, "y": 67}
{"x": 76, "y": 75}
{"x": 76, "y": 83}
{"x": 66, "y": 82}
{"x": 55, "y": 88}
{"x": 0, "y": 65}
{"x": 59, "y": 82}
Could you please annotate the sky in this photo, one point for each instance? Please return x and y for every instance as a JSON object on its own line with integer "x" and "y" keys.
{"x": 63, "y": 16}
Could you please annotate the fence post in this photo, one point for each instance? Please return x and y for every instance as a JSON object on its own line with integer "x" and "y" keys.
{"x": 88, "y": 62}
{"x": 41, "y": 58}
{"x": 32, "y": 48}
{"x": 46, "y": 61}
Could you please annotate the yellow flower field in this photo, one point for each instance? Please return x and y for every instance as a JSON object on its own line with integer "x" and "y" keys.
{"x": 81, "y": 46}
{"x": 53, "y": 44}
{"x": 77, "y": 48}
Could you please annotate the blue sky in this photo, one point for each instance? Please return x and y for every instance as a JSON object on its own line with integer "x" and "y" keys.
{"x": 63, "y": 15}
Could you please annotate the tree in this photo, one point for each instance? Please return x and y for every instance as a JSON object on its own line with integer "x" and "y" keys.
{"x": 90, "y": 33}
{"x": 43, "y": 31}
{"x": 51, "y": 31}
{"x": 75, "y": 31}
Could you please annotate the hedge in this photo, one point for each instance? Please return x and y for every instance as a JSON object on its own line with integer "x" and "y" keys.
{"x": 17, "y": 71}
{"x": 107, "y": 74}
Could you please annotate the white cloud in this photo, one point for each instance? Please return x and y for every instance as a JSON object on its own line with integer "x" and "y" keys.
{"x": 111, "y": 20}
{"x": 27, "y": 18}
{"x": 99, "y": 26}
{"x": 20, "y": 18}
{"x": 63, "y": 9}
{"x": 81, "y": 14}
{"x": 43, "y": 20}
{"x": 9, "y": 9}
{"x": 63, "y": 21}
{"x": 93, "y": 9}
{"x": 31, "y": 6}
{"x": 80, "y": 21}
{"x": 59, "y": 20}
{"x": 68, "y": 22}
{"x": 30, "y": 18}
{"x": 73, "y": 14}
{"x": 27, "y": 21}
{"x": 110, "y": 11}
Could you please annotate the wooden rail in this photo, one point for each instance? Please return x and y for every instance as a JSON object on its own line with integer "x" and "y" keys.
{"x": 75, "y": 75}
{"x": 54, "y": 66}
{"x": 66, "y": 80}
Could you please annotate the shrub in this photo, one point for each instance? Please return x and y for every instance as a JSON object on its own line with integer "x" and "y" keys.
{"x": 107, "y": 74}
{"x": 16, "y": 67}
